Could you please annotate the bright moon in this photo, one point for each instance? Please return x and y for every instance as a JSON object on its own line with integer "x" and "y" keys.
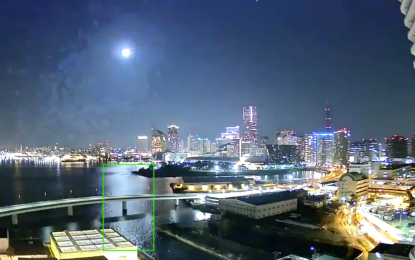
{"x": 126, "y": 53}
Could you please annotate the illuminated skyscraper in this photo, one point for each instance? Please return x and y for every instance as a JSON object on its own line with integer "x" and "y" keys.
{"x": 408, "y": 9}
{"x": 142, "y": 144}
{"x": 250, "y": 122}
{"x": 341, "y": 146}
{"x": 232, "y": 132}
{"x": 158, "y": 141}
{"x": 193, "y": 145}
{"x": 310, "y": 148}
{"x": 324, "y": 149}
{"x": 173, "y": 138}
{"x": 286, "y": 137}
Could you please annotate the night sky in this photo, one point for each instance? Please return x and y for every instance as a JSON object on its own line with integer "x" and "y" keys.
{"x": 196, "y": 64}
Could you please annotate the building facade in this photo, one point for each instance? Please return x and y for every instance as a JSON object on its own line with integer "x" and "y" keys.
{"x": 260, "y": 206}
{"x": 159, "y": 142}
{"x": 396, "y": 147}
{"x": 341, "y": 146}
{"x": 324, "y": 148}
{"x": 286, "y": 137}
{"x": 352, "y": 184}
{"x": 283, "y": 154}
{"x": 193, "y": 145}
{"x": 310, "y": 148}
{"x": 142, "y": 144}
{"x": 173, "y": 138}
{"x": 408, "y": 9}
{"x": 250, "y": 119}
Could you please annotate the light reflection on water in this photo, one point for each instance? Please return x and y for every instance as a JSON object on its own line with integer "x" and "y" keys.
{"x": 29, "y": 183}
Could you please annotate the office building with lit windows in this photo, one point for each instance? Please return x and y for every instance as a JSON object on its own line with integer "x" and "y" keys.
{"x": 232, "y": 132}
{"x": 341, "y": 146}
{"x": 408, "y": 9}
{"x": 324, "y": 154}
{"x": 204, "y": 146}
{"x": 142, "y": 144}
{"x": 193, "y": 145}
{"x": 286, "y": 137}
{"x": 159, "y": 142}
{"x": 173, "y": 138}
{"x": 413, "y": 146}
{"x": 300, "y": 148}
{"x": 250, "y": 120}
{"x": 396, "y": 147}
{"x": 283, "y": 154}
{"x": 310, "y": 148}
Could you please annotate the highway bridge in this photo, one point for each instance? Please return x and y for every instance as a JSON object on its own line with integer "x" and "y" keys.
{"x": 15, "y": 210}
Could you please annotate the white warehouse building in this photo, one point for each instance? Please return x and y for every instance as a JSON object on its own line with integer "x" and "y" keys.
{"x": 261, "y": 206}
{"x": 408, "y": 9}
{"x": 353, "y": 183}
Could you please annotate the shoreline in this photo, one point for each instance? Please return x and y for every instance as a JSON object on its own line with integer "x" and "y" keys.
{"x": 192, "y": 244}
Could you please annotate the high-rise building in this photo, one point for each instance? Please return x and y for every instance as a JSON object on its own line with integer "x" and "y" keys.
{"x": 286, "y": 137}
{"x": 324, "y": 148}
{"x": 263, "y": 141}
{"x": 301, "y": 148}
{"x": 250, "y": 123}
{"x": 173, "y": 138}
{"x": 159, "y": 142}
{"x": 396, "y": 147}
{"x": 204, "y": 146}
{"x": 142, "y": 144}
{"x": 232, "y": 132}
{"x": 282, "y": 154}
{"x": 310, "y": 148}
{"x": 341, "y": 146}
{"x": 193, "y": 145}
{"x": 356, "y": 151}
{"x": 408, "y": 9}
{"x": 181, "y": 146}
{"x": 371, "y": 148}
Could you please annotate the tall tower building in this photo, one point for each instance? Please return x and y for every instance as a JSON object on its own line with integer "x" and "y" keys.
{"x": 158, "y": 141}
{"x": 310, "y": 148}
{"x": 204, "y": 146}
{"x": 324, "y": 149}
{"x": 250, "y": 122}
{"x": 193, "y": 145}
{"x": 328, "y": 117}
{"x": 173, "y": 138}
{"x": 142, "y": 144}
{"x": 408, "y": 9}
{"x": 341, "y": 146}
{"x": 301, "y": 148}
{"x": 396, "y": 147}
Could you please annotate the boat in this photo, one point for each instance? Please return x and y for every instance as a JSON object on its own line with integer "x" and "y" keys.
{"x": 73, "y": 158}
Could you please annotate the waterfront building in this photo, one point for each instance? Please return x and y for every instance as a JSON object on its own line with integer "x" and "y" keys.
{"x": 408, "y": 9}
{"x": 90, "y": 243}
{"x": 341, "y": 146}
{"x": 301, "y": 148}
{"x": 250, "y": 120}
{"x": 208, "y": 184}
{"x": 173, "y": 138}
{"x": 260, "y": 206}
{"x": 142, "y": 144}
{"x": 396, "y": 147}
{"x": 159, "y": 142}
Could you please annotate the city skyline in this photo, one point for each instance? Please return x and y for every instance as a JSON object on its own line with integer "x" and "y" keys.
{"x": 73, "y": 85}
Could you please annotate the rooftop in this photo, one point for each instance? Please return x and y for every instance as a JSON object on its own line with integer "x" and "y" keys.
{"x": 189, "y": 180}
{"x": 89, "y": 240}
{"x": 213, "y": 158}
{"x": 392, "y": 166}
{"x": 395, "y": 249}
{"x": 268, "y": 198}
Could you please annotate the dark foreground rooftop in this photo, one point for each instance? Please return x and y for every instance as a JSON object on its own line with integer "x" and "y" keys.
{"x": 395, "y": 249}
{"x": 28, "y": 247}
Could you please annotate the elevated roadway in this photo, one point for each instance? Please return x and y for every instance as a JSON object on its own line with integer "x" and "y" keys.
{"x": 15, "y": 210}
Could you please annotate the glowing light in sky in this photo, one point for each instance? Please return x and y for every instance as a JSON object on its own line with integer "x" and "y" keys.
{"x": 126, "y": 53}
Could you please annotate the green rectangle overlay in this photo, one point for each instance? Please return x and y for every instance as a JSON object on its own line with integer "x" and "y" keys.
{"x": 103, "y": 208}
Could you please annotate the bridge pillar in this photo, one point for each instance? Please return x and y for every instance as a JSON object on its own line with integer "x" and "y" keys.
{"x": 15, "y": 221}
{"x": 70, "y": 211}
{"x": 124, "y": 207}
{"x": 176, "y": 203}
